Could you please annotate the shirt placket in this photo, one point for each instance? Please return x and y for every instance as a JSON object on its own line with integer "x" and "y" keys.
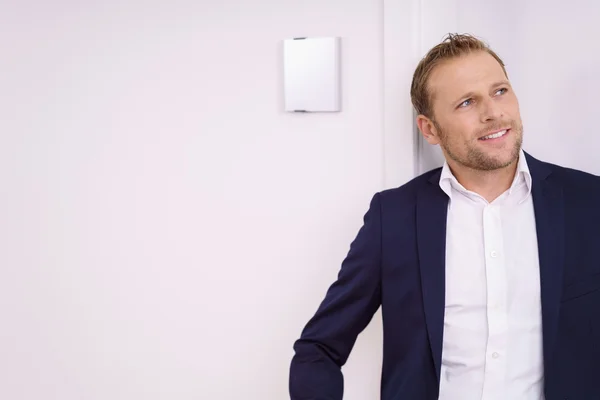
{"x": 495, "y": 266}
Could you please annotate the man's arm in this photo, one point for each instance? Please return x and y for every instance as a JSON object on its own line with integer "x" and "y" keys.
{"x": 348, "y": 307}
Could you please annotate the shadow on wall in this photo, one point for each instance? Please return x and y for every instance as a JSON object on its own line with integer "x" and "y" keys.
{"x": 428, "y": 156}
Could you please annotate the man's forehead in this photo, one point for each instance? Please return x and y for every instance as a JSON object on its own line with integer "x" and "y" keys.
{"x": 464, "y": 74}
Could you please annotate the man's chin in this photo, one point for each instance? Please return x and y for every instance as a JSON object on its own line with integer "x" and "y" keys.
{"x": 497, "y": 163}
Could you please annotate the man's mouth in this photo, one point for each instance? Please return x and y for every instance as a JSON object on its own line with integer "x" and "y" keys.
{"x": 495, "y": 135}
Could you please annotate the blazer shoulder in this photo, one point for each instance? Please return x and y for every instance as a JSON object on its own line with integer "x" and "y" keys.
{"x": 579, "y": 185}
{"x": 574, "y": 178}
{"x": 407, "y": 193}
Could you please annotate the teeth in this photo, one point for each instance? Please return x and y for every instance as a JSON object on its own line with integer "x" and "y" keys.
{"x": 495, "y": 135}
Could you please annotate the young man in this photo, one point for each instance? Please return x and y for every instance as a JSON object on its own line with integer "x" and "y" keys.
{"x": 486, "y": 269}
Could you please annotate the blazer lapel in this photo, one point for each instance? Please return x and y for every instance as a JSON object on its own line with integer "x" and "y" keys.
{"x": 548, "y": 204}
{"x": 432, "y": 210}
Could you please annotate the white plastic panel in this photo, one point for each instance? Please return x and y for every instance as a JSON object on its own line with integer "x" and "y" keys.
{"x": 312, "y": 74}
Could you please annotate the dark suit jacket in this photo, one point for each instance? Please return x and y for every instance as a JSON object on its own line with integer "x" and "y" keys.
{"x": 397, "y": 262}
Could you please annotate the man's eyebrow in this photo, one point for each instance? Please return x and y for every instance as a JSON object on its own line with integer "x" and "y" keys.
{"x": 501, "y": 83}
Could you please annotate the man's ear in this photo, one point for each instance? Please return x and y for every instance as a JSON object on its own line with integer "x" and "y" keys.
{"x": 428, "y": 129}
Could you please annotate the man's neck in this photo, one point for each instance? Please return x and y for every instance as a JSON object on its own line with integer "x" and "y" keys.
{"x": 488, "y": 184}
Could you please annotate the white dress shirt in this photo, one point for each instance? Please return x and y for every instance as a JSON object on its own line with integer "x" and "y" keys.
{"x": 492, "y": 346}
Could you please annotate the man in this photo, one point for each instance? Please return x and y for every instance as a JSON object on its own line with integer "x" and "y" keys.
{"x": 487, "y": 270}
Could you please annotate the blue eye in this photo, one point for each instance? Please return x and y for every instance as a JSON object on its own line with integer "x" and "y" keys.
{"x": 465, "y": 103}
{"x": 503, "y": 90}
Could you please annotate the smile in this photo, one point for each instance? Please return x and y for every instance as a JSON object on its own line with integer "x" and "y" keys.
{"x": 495, "y": 135}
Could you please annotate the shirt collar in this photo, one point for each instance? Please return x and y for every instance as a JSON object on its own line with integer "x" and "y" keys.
{"x": 522, "y": 177}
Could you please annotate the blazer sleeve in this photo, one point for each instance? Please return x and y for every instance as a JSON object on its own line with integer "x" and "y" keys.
{"x": 348, "y": 307}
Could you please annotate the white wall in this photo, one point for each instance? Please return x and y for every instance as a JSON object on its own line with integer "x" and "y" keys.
{"x": 549, "y": 48}
{"x": 166, "y": 229}
{"x": 557, "y": 70}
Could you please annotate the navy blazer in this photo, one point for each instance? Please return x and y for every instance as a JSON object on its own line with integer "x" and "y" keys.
{"x": 397, "y": 261}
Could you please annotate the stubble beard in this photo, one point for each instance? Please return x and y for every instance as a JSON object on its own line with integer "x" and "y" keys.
{"x": 477, "y": 159}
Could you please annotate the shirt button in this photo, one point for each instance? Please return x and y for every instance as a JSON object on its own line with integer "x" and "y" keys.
{"x": 495, "y": 355}
{"x": 494, "y": 253}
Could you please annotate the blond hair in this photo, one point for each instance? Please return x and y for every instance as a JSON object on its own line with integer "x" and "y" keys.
{"x": 453, "y": 46}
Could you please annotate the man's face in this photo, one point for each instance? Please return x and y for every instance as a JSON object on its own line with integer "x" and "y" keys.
{"x": 471, "y": 99}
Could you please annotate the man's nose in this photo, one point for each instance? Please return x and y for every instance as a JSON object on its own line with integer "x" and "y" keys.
{"x": 490, "y": 111}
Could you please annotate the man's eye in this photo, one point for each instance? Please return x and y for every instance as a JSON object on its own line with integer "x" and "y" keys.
{"x": 465, "y": 103}
{"x": 503, "y": 90}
